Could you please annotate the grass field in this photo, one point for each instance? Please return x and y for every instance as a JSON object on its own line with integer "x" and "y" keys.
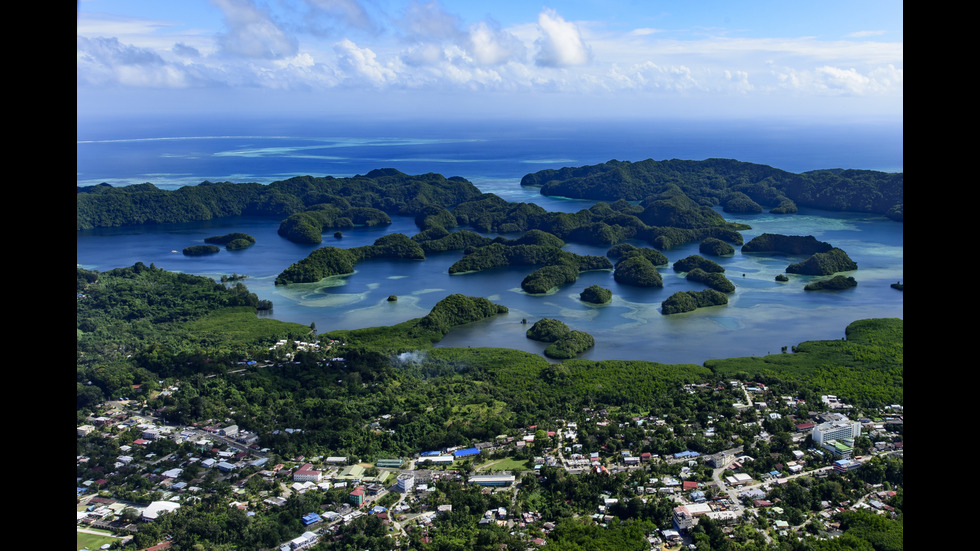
{"x": 508, "y": 464}
{"x": 91, "y": 541}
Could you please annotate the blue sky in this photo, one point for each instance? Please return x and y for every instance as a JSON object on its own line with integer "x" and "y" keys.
{"x": 428, "y": 59}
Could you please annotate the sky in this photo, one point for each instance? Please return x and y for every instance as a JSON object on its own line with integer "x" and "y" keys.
{"x": 376, "y": 59}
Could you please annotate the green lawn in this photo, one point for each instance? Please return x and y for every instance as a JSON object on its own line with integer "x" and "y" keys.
{"x": 508, "y": 464}
{"x": 91, "y": 541}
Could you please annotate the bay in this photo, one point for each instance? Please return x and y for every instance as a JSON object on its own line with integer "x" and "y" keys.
{"x": 762, "y": 315}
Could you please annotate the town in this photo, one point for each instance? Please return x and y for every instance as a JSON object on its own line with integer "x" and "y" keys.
{"x": 800, "y": 467}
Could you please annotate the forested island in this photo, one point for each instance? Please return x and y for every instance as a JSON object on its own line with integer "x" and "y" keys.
{"x": 200, "y": 250}
{"x": 233, "y": 241}
{"x": 739, "y": 186}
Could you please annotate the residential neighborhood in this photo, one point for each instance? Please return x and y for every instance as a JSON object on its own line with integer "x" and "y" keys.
{"x": 737, "y": 489}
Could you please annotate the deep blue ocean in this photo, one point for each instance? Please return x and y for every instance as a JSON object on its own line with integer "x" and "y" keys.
{"x": 762, "y": 315}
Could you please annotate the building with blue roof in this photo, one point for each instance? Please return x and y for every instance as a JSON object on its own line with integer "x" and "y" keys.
{"x": 311, "y": 518}
{"x": 466, "y": 452}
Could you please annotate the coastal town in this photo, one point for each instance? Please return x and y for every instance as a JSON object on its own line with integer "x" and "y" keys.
{"x": 799, "y": 468}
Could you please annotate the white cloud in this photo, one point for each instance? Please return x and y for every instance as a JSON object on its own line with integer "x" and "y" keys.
{"x": 561, "y": 44}
{"x": 865, "y": 34}
{"x": 102, "y": 61}
{"x": 252, "y": 33}
{"x": 363, "y": 63}
{"x": 491, "y": 45}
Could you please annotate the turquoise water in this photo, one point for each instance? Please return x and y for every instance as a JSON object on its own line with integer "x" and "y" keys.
{"x": 762, "y": 315}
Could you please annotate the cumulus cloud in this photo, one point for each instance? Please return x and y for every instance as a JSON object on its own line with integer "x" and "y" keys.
{"x": 363, "y": 63}
{"x": 252, "y": 33}
{"x": 561, "y": 43}
{"x": 108, "y": 61}
{"x": 491, "y": 45}
{"x": 833, "y": 80}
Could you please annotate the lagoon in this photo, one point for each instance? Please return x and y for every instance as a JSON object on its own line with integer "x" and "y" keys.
{"x": 762, "y": 315}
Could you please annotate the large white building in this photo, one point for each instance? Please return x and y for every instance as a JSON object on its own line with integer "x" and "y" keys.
{"x": 406, "y": 481}
{"x": 836, "y": 430}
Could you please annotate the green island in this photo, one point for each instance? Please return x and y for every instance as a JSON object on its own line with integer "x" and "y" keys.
{"x": 232, "y": 241}
{"x": 688, "y": 301}
{"x": 826, "y": 263}
{"x": 595, "y": 294}
{"x": 565, "y": 343}
{"x": 201, "y": 250}
{"x": 254, "y": 433}
{"x": 741, "y": 184}
{"x": 331, "y": 261}
{"x": 697, "y": 262}
{"x": 715, "y": 280}
{"x": 835, "y": 283}
{"x": 786, "y": 244}
{"x": 715, "y": 247}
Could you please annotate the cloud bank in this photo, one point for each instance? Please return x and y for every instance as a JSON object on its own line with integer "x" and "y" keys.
{"x": 354, "y": 47}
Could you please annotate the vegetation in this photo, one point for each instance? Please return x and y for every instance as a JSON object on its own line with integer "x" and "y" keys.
{"x": 715, "y": 247}
{"x": 570, "y": 346}
{"x": 330, "y": 200}
{"x": 308, "y": 226}
{"x": 558, "y": 267}
{"x": 715, "y": 280}
{"x": 201, "y": 250}
{"x": 595, "y": 294}
{"x": 546, "y": 278}
{"x": 832, "y": 261}
{"x": 688, "y": 301}
{"x": 139, "y": 324}
{"x": 698, "y": 262}
{"x": 739, "y": 202}
{"x": 331, "y": 261}
{"x": 232, "y": 241}
{"x": 865, "y": 368}
{"x": 639, "y": 271}
{"x": 548, "y": 330}
{"x": 420, "y": 333}
{"x": 835, "y": 283}
{"x": 565, "y": 342}
{"x": 714, "y": 181}
{"x": 786, "y": 244}
{"x": 625, "y": 250}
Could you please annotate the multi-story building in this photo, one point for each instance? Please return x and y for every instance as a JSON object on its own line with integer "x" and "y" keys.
{"x": 836, "y": 430}
{"x": 406, "y": 481}
{"x": 837, "y": 436}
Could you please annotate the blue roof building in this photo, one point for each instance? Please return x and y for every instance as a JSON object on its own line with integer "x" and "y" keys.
{"x": 466, "y": 452}
{"x": 311, "y": 518}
